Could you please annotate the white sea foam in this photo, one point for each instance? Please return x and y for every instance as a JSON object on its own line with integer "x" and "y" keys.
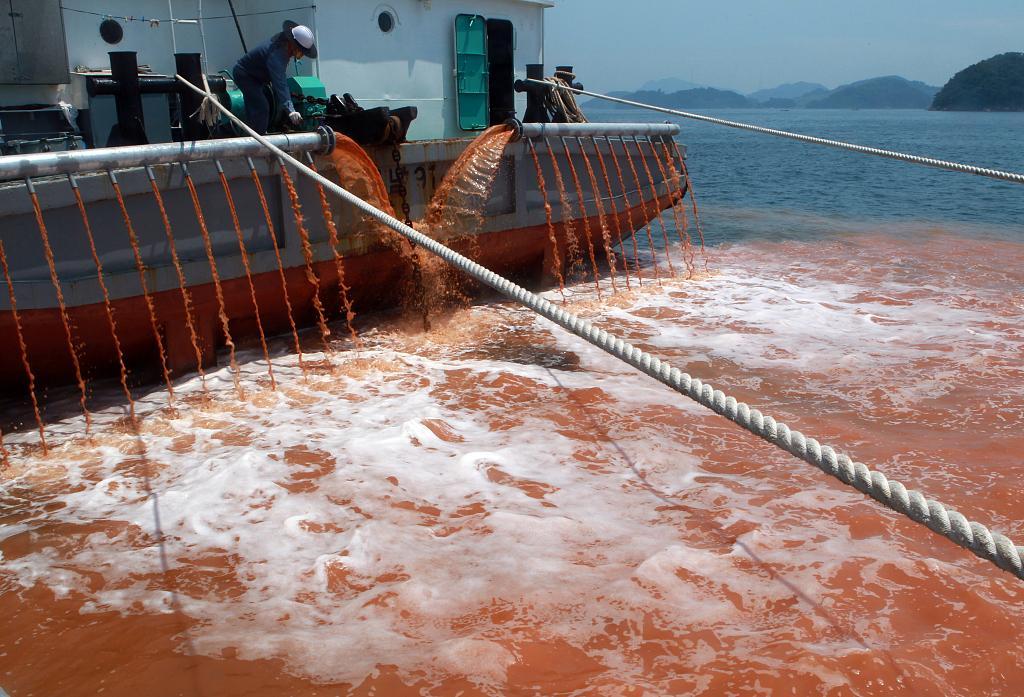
{"x": 378, "y": 513}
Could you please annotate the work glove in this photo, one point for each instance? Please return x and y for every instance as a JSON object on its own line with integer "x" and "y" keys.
{"x": 295, "y": 117}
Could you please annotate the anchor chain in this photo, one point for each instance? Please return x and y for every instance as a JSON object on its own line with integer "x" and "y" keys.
{"x": 402, "y": 175}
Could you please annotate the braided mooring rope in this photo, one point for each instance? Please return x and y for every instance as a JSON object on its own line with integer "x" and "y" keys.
{"x": 975, "y": 537}
{"x": 892, "y": 154}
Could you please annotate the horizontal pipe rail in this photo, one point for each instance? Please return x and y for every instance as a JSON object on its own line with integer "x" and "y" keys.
{"x": 100, "y": 159}
{"x": 585, "y": 130}
{"x": 155, "y": 84}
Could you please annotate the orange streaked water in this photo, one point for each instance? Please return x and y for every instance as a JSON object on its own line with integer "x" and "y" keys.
{"x": 186, "y": 295}
{"x": 495, "y": 508}
{"x": 59, "y": 293}
{"x": 307, "y": 255}
{"x": 23, "y": 350}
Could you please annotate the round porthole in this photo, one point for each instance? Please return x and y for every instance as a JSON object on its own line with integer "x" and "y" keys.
{"x": 386, "y": 22}
{"x": 111, "y": 31}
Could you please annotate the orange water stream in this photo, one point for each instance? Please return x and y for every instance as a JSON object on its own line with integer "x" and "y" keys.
{"x": 456, "y": 212}
{"x": 307, "y": 254}
{"x": 140, "y": 268}
{"x": 339, "y": 261}
{"x": 693, "y": 202}
{"x": 629, "y": 212}
{"x": 222, "y": 312}
{"x": 556, "y": 257}
{"x": 458, "y": 205}
{"x": 583, "y": 214}
{"x": 614, "y": 210}
{"x": 87, "y": 227}
{"x": 296, "y": 344}
{"x": 186, "y": 296}
{"x": 23, "y": 350}
{"x": 643, "y": 208}
{"x": 65, "y": 320}
{"x": 606, "y": 235}
{"x": 356, "y": 172}
{"x": 683, "y": 226}
{"x": 575, "y": 254}
{"x": 248, "y": 276}
{"x": 658, "y": 212}
{"x": 672, "y": 180}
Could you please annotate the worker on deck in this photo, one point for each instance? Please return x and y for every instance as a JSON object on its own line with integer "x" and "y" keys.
{"x": 267, "y": 63}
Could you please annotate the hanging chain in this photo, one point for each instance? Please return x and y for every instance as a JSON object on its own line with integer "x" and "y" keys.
{"x": 401, "y": 175}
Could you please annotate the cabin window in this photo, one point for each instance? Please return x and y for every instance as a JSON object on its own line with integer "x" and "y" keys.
{"x": 472, "y": 79}
{"x": 386, "y": 21}
{"x": 501, "y": 66}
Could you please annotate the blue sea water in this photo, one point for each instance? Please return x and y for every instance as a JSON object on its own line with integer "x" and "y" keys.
{"x": 754, "y": 185}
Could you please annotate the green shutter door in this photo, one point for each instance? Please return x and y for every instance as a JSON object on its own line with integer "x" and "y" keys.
{"x": 471, "y": 77}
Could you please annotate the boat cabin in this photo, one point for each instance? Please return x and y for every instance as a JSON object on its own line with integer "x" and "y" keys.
{"x": 454, "y": 61}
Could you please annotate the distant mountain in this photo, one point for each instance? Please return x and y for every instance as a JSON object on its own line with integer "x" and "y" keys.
{"x": 669, "y": 84}
{"x": 890, "y": 92}
{"x": 699, "y": 98}
{"x": 994, "y": 84}
{"x": 812, "y": 96}
{"x": 790, "y": 90}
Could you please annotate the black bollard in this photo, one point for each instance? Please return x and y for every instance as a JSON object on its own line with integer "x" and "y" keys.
{"x": 130, "y": 128}
{"x": 190, "y": 67}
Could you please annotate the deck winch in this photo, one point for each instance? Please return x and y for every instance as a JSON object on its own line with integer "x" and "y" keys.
{"x": 310, "y": 98}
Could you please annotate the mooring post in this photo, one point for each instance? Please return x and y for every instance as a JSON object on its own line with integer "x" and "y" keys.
{"x": 190, "y": 67}
{"x": 130, "y": 128}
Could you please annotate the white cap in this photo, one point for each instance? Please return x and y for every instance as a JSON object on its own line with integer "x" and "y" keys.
{"x": 304, "y": 37}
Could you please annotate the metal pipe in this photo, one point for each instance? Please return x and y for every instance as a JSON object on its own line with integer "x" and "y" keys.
{"x": 170, "y": 13}
{"x": 202, "y": 37}
{"x": 586, "y": 130}
{"x": 150, "y": 84}
{"x": 73, "y": 161}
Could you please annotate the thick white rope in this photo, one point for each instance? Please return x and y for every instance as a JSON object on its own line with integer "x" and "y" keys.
{"x": 916, "y": 159}
{"x": 207, "y": 113}
{"x": 970, "y": 535}
{"x": 561, "y": 102}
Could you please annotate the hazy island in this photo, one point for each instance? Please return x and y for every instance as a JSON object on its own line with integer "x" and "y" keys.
{"x": 889, "y": 92}
{"x": 994, "y": 84}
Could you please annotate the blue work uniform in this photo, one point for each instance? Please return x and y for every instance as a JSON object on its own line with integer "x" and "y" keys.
{"x": 267, "y": 63}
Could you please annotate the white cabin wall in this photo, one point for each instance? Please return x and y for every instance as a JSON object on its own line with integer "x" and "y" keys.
{"x": 412, "y": 65}
{"x": 153, "y": 43}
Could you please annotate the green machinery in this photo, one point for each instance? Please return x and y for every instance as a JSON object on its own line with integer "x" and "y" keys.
{"x": 310, "y": 98}
{"x": 308, "y": 94}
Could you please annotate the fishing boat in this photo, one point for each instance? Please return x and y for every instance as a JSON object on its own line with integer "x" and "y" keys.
{"x": 137, "y": 233}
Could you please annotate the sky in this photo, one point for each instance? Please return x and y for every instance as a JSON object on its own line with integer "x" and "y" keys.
{"x": 746, "y": 45}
